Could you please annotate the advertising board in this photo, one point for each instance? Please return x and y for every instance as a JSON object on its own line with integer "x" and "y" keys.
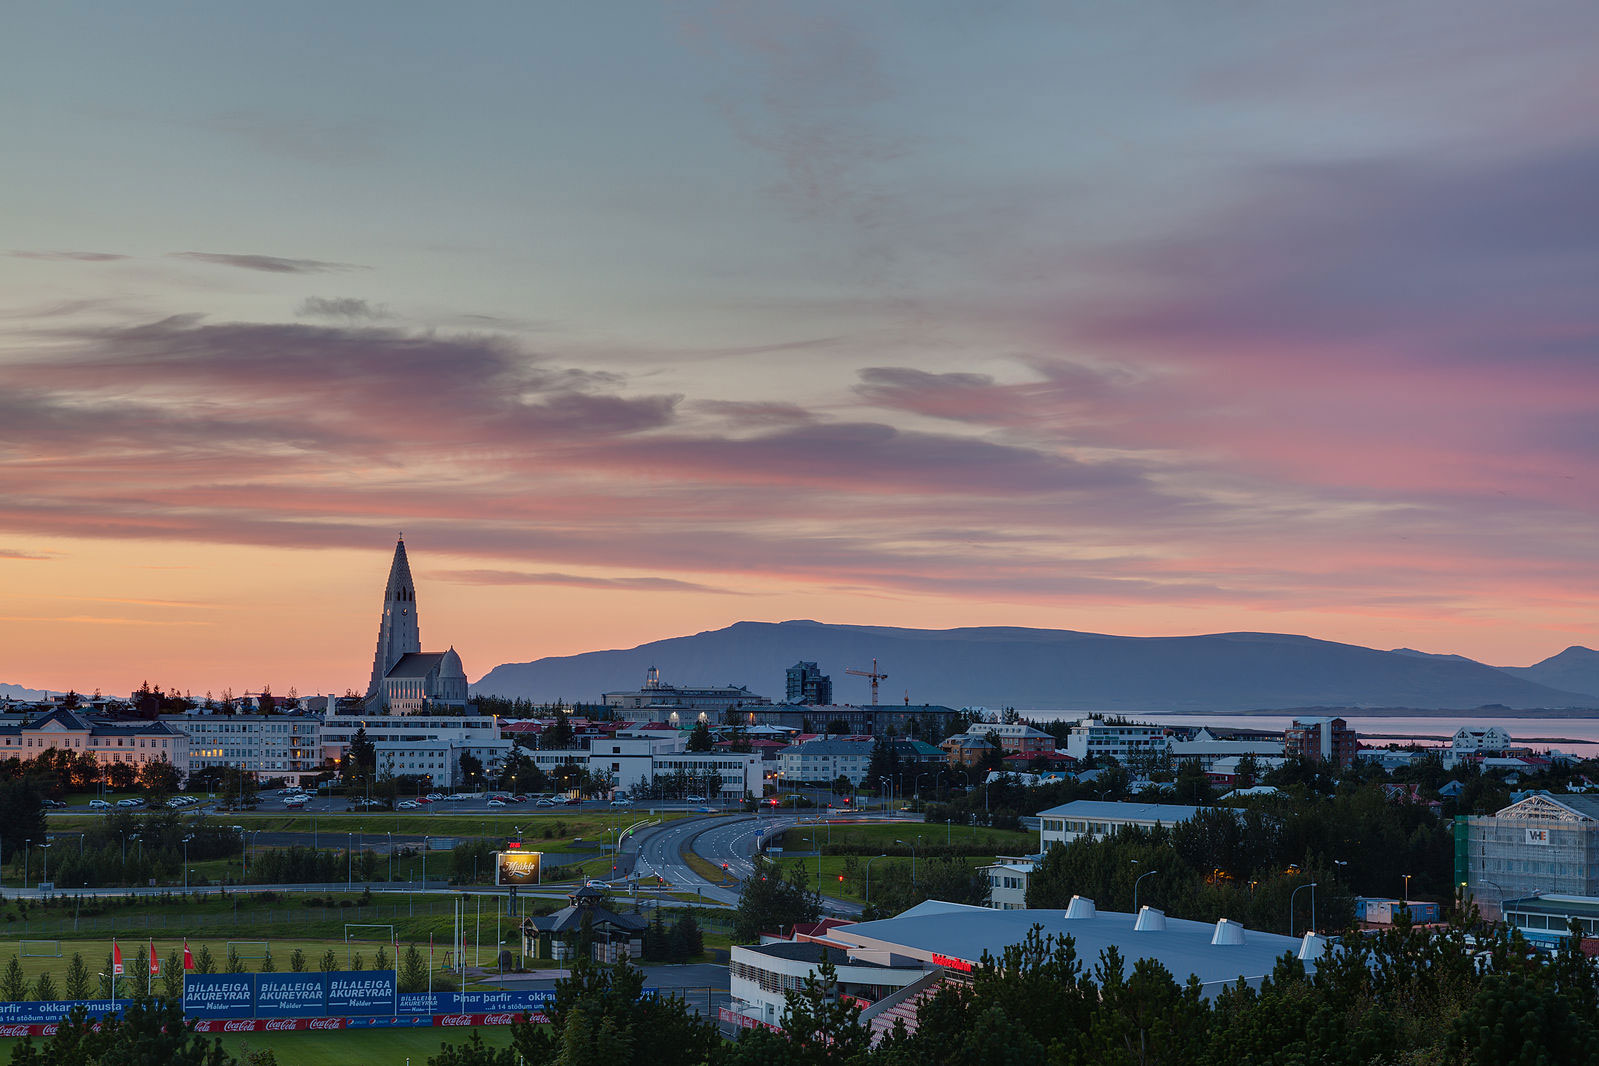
{"x": 517, "y": 867}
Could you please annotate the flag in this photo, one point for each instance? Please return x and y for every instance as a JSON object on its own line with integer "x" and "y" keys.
{"x": 116, "y": 959}
{"x": 188, "y": 958}
{"x": 155, "y": 963}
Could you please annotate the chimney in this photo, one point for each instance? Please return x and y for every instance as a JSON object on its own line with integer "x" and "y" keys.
{"x": 1150, "y": 920}
{"x": 1228, "y": 933}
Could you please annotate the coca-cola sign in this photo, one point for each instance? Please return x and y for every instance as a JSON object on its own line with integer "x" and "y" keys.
{"x": 453, "y": 1019}
{"x": 17, "y": 1030}
{"x": 327, "y": 1023}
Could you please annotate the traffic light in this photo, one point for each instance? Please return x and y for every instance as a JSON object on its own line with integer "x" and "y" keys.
{"x": 841, "y": 877}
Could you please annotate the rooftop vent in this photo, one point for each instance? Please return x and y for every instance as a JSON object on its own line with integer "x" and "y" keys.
{"x": 1150, "y": 920}
{"x": 1080, "y": 907}
{"x": 1313, "y": 947}
{"x": 1227, "y": 932}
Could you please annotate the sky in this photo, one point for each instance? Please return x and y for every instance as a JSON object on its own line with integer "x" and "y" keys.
{"x": 641, "y": 319}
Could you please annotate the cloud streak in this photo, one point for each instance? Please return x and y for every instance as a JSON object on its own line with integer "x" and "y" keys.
{"x": 269, "y": 264}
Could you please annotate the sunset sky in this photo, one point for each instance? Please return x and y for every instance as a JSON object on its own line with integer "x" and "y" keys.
{"x": 640, "y": 319}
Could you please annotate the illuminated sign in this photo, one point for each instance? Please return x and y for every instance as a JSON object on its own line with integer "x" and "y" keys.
{"x": 517, "y": 867}
{"x": 949, "y": 962}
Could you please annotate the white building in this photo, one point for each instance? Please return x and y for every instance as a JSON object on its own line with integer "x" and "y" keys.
{"x": 423, "y": 745}
{"x": 1007, "y": 884}
{"x": 1207, "y": 750}
{"x": 760, "y": 975}
{"x": 740, "y": 772}
{"x": 265, "y": 745}
{"x": 1470, "y": 741}
{"x": 134, "y": 742}
{"x": 1095, "y": 736}
{"x": 827, "y": 759}
{"x": 1098, "y": 818}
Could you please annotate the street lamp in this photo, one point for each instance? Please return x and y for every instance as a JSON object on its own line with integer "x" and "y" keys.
{"x": 1291, "y": 897}
{"x": 913, "y": 859}
{"x": 1136, "y": 880}
{"x": 186, "y": 861}
{"x": 869, "y": 862}
{"x": 46, "y": 875}
{"x": 349, "y": 863}
{"x": 27, "y": 846}
{"x": 1407, "y": 890}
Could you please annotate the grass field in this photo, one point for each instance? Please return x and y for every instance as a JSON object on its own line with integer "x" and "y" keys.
{"x": 974, "y": 840}
{"x": 589, "y": 825}
{"x": 368, "y": 1047}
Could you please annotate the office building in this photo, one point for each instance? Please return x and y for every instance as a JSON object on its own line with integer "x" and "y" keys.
{"x": 808, "y": 685}
{"x": 682, "y": 706}
{"x": 1097, "y": 737}
{"x": 1100, "y": 818}
{"x": 1543, "y": 844}
{"x": 109, "y": 741}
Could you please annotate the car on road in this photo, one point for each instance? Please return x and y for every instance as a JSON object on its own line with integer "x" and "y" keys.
{"x": 52, "y": 803}
{"x": 544, "y": 801}
{"x": 435, "y": 797}
{"x": 621, "y": 802}
{"x": 131, "y": 801}
{"x": 496, "y": 803}
{"x": 696, "y": 799}
{"x": 409, "y": 805}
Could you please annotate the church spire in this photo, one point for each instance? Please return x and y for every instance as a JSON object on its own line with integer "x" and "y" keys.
{"x": 398, "y": 633}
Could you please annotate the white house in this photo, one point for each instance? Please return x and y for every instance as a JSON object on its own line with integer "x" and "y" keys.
{"x": 1473, "y": 741}
{"x": 1097, "y": 818}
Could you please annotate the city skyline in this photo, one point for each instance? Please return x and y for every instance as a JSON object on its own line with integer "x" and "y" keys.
{"x": 1150, "y": 322}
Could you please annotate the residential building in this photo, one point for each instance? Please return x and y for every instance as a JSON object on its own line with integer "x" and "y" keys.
{"x": 740, "y": 773}
{"x": 1472, "y": 741}
{"x": 1328, "y": 740}
{"x": 1117, "y": 738}
{"x": 1016, "y": 738}
{"x": 134, "y": 742}
{"x": 1542, "y": 844}
{"x": 808, "y": 685}
{"x": 1098, "y": 818}
{"x": 1007, "y": 883}
{"x": 1208, "y": 750}
{"x": 966, "y": 749}
{"x": 826, "y": 760}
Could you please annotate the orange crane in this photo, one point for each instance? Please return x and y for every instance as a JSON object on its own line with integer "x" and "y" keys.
{"x": 873, "y": 674}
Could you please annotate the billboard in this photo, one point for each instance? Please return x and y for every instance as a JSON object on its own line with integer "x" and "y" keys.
{"x": 361, "y": 992}
{"x": 290, "y": 995}
{"x": 517, "y": 867}
{"x": 219, "y": 995}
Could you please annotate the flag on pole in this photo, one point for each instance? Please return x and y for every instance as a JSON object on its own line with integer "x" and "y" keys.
{"x": 155, "y": 963}
{"x": 188, "y": 958}
{"x": 116, "y": 958}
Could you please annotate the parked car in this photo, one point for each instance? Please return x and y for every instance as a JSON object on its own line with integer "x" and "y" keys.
{"x": 409, "y": 805}
{"x": 435, "y": 797}
{"x": 623, "y": 802}
{"x": 545, "y": 801}
{"x": 131, "y": 801}
{"x": 52, "y": 803}
{"x": 496, "y": 803}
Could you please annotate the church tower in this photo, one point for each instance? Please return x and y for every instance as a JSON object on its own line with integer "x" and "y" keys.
{"x": 398, "y": 635}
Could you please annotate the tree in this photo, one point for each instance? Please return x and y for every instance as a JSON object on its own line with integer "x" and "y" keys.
{"x": 360, "y": 758}
{"x": 413, "y": 971}
{"x": 22, "y": 815}
{"x": 78, "y": 985}
{"x": 768, "y": 903}
{"x": 473, "y": 1052}
{"x": 330, "y": 962}
{"x": 148, "y": 1031}
{"x": 297, "y": 961}
{"x": 700, "y": 738}
{"x": 14, "y": 985}
{"x": 204, "y": 961}
{"x": 172, "y": 976}
{"x": 235, "y": 964}
{"x": 160, "y": 778}
{"x": 44, "y": 988}
{"x": 471, "y": 768}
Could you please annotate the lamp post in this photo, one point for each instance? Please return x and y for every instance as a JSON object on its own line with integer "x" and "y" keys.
{"x": 27, "y": 846}
{"x": 1136, "y": 880}
{"x": 869, "y": 862}
{"x": 349, "y": 863}
{"x": 913, "y": 859}
{"x": 186, "y": 861}
{"x": 1406, "y": 900}
{"x": 1291, "y": 897}
{"x": 391, "y": 856}
{"x": 425, "y": 862}
{"x": 46, "y": 875}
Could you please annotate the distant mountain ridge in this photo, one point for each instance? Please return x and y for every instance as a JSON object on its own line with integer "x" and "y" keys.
{"x": 1575, "y": 669}
{"x": 1049, "y": 669}
{"x": 17, "y": 692}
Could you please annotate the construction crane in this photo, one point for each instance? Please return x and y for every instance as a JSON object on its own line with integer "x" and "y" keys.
{"x": 873, "y": 673}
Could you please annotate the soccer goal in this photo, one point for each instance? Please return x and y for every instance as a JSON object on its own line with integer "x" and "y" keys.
{"x": 39, "y": 949}
{"x": 353, "y": 937}
{"x": 250, "y": 949}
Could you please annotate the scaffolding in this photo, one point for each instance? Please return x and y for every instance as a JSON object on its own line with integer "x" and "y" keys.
{"x": 1538, "y": 846}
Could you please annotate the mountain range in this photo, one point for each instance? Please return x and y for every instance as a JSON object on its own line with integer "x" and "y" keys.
{"x": 1054, "y": 669}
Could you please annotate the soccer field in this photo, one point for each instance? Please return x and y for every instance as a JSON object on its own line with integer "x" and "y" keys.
{"x": 370, "y": 1047}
